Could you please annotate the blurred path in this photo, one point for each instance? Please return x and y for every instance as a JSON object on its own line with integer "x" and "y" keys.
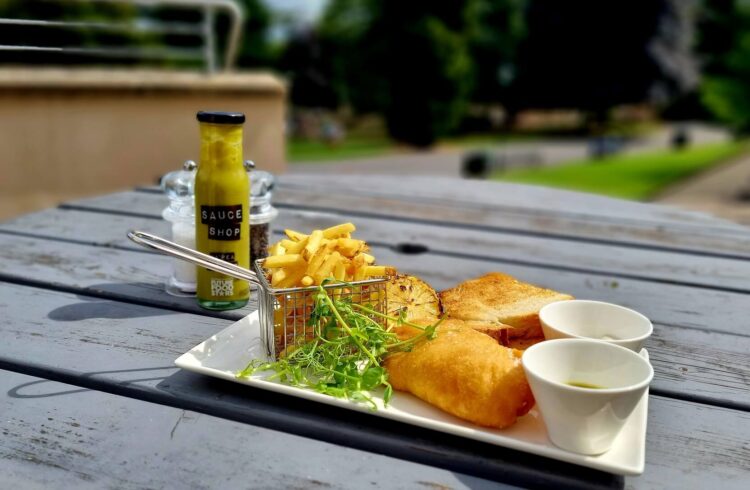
{"x": 446, "y": 162}
{"x": 717, "y": 191}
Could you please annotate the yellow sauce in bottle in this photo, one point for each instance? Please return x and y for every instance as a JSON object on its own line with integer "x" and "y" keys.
{"x": 222, "y": 209}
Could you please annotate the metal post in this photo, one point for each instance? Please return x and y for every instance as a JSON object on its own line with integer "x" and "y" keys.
{"x": 209, "y": 40}
{"x": 205, "y": 31}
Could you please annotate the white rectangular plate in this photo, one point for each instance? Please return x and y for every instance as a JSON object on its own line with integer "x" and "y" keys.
{"x": 229, "y": 351}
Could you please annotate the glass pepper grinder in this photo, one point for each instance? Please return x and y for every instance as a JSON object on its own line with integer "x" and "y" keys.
{"x": 179, "y": 187}
{"x": 261, "y": 211}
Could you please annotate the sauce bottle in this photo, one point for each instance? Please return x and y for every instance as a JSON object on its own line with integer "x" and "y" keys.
{"x": 222, "y": 228}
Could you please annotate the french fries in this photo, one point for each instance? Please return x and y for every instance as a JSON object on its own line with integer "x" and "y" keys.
{"x": 374, "y": 270}
{"x": 313, "y": 243}
{"x": 339, "y": 272}
{"x": 316, "y": 261}
{"x": 326, "y": 268}
{"x": 291, "y": 247}
{"x": 292, "y": 279}
{"x": 339, "y": 230}
{"x": 276, "y": 249}
{"x": 295, "y": 235}
{"x": 307, "y": 260}
{"x": 276, "y": 261}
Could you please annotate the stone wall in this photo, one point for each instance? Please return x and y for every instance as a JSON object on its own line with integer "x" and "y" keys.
{"x": 68, "y": 133}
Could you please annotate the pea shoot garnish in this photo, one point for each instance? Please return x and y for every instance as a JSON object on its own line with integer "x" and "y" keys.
{"x": 344, "y": 357}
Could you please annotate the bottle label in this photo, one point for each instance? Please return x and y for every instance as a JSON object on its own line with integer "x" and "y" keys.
{"x": 222, "y": 286}
{"x": 225, "y": 256}
{"x": 223, "y": 222}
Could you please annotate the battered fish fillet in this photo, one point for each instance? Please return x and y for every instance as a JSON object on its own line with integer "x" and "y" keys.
{"x": 500, "y": 298}
{"x": 465, "y": 373}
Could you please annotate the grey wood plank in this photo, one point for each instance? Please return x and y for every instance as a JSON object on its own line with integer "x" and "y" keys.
{"x": 100, "y": 271}
{"x": 681, "y": 373}
{"x": 680, "y": 237}
{"x": 686, "y": 303}
{"x": 86, "y": 227}
{"x": 57, "y": 435}
{"x": 503, "y": 196}
{"x": 131, "y": 203}
{"x": 466, "y": 193}
{"x": 135, "y": 361}
{"x": 689, "y": 364}
{"x": 129, "y": 352}
{"x": 674, "y": 237}
{"x": 716, "y": 363}
{"x": 676, "y": 429}
{"x": 665, "y": 303}
{"x": 550, "y": 253}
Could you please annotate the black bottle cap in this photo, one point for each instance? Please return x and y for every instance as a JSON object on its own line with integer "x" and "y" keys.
{"x": 219, "y": 117}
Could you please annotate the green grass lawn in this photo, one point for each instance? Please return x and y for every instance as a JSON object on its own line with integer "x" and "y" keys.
{"x": 371, "y": 140}
{"x": 356, "y": 146}
{"x": 352, "y": 147}
{"x": 638, "y": 176}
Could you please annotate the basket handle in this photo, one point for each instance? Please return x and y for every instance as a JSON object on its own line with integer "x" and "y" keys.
{"x": 188, "y": 254}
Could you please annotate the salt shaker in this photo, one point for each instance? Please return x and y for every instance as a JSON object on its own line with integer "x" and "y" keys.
{"x": 261, "y": 210}
{"x": 179, "y": 188}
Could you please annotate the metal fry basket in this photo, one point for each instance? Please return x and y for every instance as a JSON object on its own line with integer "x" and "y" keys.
{"x": 285, "y": 312}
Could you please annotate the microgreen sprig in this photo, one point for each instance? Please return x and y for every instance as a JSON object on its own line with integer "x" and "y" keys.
{"x": 344, "y": 359}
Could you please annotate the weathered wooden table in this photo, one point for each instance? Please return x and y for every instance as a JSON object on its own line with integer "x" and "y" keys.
{"x": 90, "y": 397}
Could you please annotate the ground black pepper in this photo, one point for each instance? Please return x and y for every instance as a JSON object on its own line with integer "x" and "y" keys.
{"x": 258, "y": 242}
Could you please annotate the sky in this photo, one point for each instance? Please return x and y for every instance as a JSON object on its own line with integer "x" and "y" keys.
{"x": 301, "y": 11}
{"x": 306, "y": 11}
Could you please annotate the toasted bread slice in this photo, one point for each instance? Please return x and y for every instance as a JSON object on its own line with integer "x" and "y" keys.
{"x": 497, "y": 331}
{"x": 500, "y": 299}
{"x": 523, "y": 343}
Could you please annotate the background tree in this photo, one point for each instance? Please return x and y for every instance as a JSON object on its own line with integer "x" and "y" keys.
{"x": 593, "y": 55}
{"x": 407, "y": 60}
{"x": 308, "y": 71}
{"x": 724, "y": 45}
{"x": 499, "y": 28}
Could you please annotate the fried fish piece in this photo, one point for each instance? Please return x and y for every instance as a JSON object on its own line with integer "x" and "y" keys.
{"x": 501, "y": 298}
{"x": 465, "y": 373}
